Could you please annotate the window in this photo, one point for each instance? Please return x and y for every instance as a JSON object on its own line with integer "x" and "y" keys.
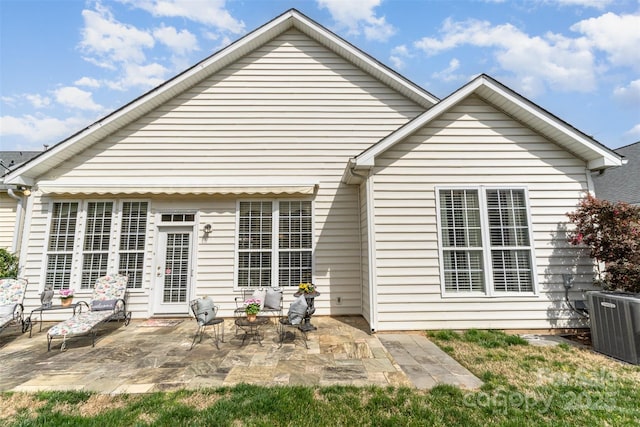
{"x": 269, "y": 231}
{"x": 132, "y": 238}
{"x": 64, "y": 218}
{"x": 485, "y": 239}
{"x": 97, "y": 254}
{"x": 96, "y": 242}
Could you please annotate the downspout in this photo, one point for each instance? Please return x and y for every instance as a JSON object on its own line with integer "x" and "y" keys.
{"x": 19, "y": 218}
{"x": 373, "y": 289}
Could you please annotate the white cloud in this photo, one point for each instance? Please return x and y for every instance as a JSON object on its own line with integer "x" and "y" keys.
{"x": 552, "y": 60}
{"x": 106, "y": 40}
{"x": 448, "y": 74}
{"x": 634, "y": 131}
{"x": 73, "y": 97}
{"x": 40, "y": 128}
{"x": 87, "y": 82}
{"x": 358, "y": 17}
{"x": 136, "y": 75}
{"x": 398, "y": 56}
{"x": 617, "y": 35}
{"x": 629, "y": 95}
{"x": 209, "y": 12}
{"x": 597, "y": 4}
{"x": 180, "y": 42}
{"x": 38, "y": 101}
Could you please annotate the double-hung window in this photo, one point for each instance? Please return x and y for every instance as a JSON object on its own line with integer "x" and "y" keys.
{"x": 274, "y": 243}
{"x": 103, "y": 248}
{"x": 64, "y": 218}
{"x": 485, "y": 240}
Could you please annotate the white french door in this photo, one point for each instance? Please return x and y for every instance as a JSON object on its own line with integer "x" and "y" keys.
{"x": 174, "y": 270}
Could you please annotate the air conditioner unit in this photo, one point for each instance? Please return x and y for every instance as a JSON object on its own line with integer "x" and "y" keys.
{"x": 615, "y": 324}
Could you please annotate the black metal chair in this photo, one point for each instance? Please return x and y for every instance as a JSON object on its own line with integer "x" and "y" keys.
{"x": 294, "y": 320}
{"x": 205, "y": 312}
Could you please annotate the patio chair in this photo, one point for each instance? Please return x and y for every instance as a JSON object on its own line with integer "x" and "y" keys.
{"x": 205, "y": 312}
{"x": 11, "y": 298}
{"x": 107, "y": 303}
{"x": 293, "y": 320}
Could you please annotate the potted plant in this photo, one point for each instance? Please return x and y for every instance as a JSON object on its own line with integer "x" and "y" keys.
{"x": 66, "y": 297}
{"x": 252, "y": 308}
{"x": 306, "y": 288}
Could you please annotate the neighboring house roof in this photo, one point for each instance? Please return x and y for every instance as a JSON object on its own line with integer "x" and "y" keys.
{"x": 10, "y": 160}
{"x": 291, "y": 19}
{"x": 583, "y": 146}
{"x": 621, "y": 184}
{"x": 13, "y": 159}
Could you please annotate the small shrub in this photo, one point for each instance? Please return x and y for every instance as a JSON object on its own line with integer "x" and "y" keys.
{"x": 611, "y": 232}
{"x": 8, "y": 264}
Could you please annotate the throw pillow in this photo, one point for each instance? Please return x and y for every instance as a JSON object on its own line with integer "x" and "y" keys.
{"x": 103, "y": 305}
{"x": 260, "y": 294}
{"x": 272, "y": 299}
{"x": 205, "y": 310}
{"x": 297, "y": 310}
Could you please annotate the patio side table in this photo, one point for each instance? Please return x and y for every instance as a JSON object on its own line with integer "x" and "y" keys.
{"x": 29, "y": 322}
{"x": 251, "y": 329}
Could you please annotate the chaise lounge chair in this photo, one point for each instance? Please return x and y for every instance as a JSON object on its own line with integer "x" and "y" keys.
{"x": 11, "y": 298}
{"x": 108, "y": 303}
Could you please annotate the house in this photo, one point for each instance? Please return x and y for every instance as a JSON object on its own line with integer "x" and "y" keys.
{"x": 621, "y": 184}
{"x": 291, "y": 156}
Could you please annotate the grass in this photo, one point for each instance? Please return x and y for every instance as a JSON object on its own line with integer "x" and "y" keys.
{"x": 524, "y": 385}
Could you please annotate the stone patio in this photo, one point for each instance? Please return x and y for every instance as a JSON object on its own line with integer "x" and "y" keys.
{"x": 140, "y": 358}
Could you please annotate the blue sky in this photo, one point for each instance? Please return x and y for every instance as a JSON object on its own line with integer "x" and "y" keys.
{"x": 65, "y": 64}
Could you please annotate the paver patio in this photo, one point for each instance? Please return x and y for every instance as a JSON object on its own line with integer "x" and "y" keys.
{"x": 140, "y": 358}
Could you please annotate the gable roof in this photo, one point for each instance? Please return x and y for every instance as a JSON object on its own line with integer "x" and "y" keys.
{"x": 621, "y": 184}
{"x": 583, "y": 146}
{"x": 292, "y": 19}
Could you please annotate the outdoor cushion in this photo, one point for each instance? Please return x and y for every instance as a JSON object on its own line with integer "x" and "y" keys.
{"x": 12, "y": 290}
{"x": 102, "y": 305}
{"x": 272, "y": 299}
{"x": 297, "y": 310}
{"x": 6, "y": 310}
{"x": 205, "y": 311}
{"x": 79, "y": 324}
{"x": 260, "y": 294}
{"x": 6, "y": 313}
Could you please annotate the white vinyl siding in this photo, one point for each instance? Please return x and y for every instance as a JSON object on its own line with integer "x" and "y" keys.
{"x": 287, "y": 223}
{"x": 485, "y": 240}
{"x": 8, "y": 207}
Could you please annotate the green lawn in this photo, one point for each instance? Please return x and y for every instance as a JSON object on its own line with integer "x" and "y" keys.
{"x": 524, "y": 385}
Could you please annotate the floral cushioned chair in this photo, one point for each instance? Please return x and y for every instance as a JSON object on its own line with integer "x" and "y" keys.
{"x": 11, "y": 298}
{"x": 107, "y": 303}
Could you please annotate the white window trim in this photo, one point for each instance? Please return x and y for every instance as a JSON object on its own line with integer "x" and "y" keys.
{"x": 486, "y": 247}
{"x": 275, "y": 231}
{"x": 75, "y": 280}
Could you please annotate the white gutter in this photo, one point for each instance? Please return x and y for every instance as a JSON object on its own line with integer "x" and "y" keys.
{"x": 19, "y": 216}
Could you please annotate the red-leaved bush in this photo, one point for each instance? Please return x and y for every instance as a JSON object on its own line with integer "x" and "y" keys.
{"x": 611, "y": 231}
